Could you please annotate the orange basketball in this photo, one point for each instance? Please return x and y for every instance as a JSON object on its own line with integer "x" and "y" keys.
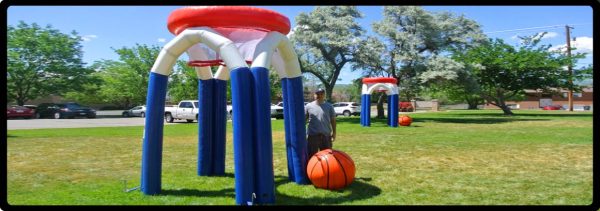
{"x": 330, "y": 169}
{"x": 404, "y": 120}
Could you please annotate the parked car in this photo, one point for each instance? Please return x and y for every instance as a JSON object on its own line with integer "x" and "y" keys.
{"x": 14, "y": 111}
{"x": 553, "y": 107}
{"x": 30, "y": 106}
{"x": 135, "y": 111}
{"x": 405, "y": 107}
{"x": 186, "y": 109}
{"x": 347, "y": 108}
{"x": 280, "y": 104}
{"x": 276, "y": 111}
{"x": 63, "y": 110}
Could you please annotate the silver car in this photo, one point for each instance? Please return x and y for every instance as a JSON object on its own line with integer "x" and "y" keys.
{"x": 135, "y": 111}
{"x": 347, "y": 108}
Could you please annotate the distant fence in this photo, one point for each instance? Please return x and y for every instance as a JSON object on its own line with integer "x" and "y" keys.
{"x": 432, "y": 105}
{"x": 423, "y": 104}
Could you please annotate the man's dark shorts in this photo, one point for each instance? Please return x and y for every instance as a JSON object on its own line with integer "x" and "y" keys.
{"x": 317, "y": 143}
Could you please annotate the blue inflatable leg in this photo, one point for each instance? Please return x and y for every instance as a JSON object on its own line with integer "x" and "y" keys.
{"x": 242, "y": 97}
{"x": 153, "y": 134}
{"x": 263, "y": 145}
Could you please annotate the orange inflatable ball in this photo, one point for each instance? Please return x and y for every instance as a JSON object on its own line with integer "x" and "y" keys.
{"x": 404, "y": 120}
{"x": 330, "y": 169}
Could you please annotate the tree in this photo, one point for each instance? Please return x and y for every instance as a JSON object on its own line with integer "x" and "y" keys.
{"x": 183, "y": 83}
{"x": 42, "y": 61}
{"x": 411, "y": 36}
{"x": 275, "y": 84}
{"x": 449, "y": 79}
{"x": 125, "y": 82}
{"x": 326, "y": 40}
{"x": 503, "y": 71}
{"x": 89, "y": 91}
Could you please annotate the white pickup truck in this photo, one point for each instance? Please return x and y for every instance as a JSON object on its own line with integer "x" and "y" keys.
{"x": 187, "y": 109}
{"x": 276, "y": 111}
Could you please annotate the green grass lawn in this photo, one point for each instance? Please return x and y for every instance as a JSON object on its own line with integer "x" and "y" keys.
{"x": 456, "y": 157}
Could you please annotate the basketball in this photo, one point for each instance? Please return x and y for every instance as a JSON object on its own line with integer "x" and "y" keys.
{"x": 330, "y": 169}
{"x": 404, "y": 120}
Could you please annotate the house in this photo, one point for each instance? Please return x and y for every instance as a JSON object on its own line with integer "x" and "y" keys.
{"x": 536, "y": 99}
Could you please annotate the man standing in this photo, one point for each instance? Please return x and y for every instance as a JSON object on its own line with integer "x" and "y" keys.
{"x": 320, "y": 117}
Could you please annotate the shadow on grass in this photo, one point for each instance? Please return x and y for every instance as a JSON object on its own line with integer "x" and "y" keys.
{"x": 227, "y": 192}
{"x": 496, "y": 118}
{"x": 10, "y": 136}
{"x": 531, "y": 114}
{"x": 483, "y": 120}
{"x": 356, "y": 120}
{"x": 359, "y": 190}
{"x": 230, "y": 175}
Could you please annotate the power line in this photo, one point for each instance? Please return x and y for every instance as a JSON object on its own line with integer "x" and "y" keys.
{"x": 537, "y": 27}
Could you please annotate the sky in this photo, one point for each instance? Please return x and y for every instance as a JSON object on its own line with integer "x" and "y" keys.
{"x": 105, "y": 28}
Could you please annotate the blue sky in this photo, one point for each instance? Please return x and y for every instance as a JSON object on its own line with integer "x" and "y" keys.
{"x": 106, "y": 27}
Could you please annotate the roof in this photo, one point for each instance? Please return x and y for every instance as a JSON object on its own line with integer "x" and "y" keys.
{"x": 587, "y": 89}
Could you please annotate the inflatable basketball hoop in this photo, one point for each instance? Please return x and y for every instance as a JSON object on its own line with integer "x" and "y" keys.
{"x": 379, "y": 84}
{"x": 244, "y": 26}
{"x": 236, "y": 37}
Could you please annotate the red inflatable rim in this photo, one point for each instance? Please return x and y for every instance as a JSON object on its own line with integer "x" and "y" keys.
{"x": 227, "y": 16}
{"x": 379, "y": 80}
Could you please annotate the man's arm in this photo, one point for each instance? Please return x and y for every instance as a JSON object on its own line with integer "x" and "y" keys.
{"x": 305, "y": 116}
{"x": 333, "y": 127}
{"x": 333, "y": 123}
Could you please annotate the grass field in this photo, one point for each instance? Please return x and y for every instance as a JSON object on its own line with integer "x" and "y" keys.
{"x": 456, "y": 157}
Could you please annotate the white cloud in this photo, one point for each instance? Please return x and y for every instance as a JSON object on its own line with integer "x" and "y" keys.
{"x": 162, "y": 40}
{"x": 581, "y": 45}
{"x": 89, "y": 37}
{"x": 584, "y": 44}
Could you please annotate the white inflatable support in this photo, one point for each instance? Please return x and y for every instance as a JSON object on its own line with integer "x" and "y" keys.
{"x": 172, "y": 50}
{"x": 279, "y": 65}
{"x": 203, "y": 73}
{"x": 263, "y": 54}
{"x": 222, "y": 73}
{"x": 391, "y": 89}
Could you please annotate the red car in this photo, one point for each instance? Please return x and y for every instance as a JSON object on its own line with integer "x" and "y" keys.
{"x": 552, "y": 107}
{"x": 405, "y": 107}
{"x": 19, "y": 111}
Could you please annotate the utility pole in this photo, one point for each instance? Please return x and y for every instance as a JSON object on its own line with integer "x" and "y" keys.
{"x": 570, "y": 68}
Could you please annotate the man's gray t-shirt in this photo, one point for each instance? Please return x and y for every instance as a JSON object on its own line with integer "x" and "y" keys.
{"x": 319, "y": 118}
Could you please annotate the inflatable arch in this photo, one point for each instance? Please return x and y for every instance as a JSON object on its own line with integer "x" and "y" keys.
{"x": 391, "y": 90}
{"x": 213, "y": 27}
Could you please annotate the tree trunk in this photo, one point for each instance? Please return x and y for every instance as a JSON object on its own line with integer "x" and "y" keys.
{"x": 21, "y": 101}
{"x": 506, "y": 110}
{"x": 501, "y": 103}
{"x": 380, "y": 114}
{"x": 473, "y": 100}
{"x": 473, "y": 103}
{"x": 328, "y": 92}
